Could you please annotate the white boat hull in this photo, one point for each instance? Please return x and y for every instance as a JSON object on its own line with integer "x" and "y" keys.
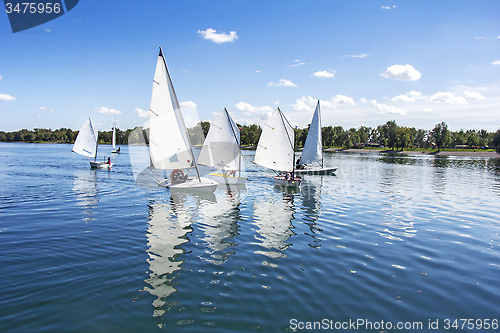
{"x": 315, "y": 171}
{"x": 282, "y": 181}
{"x": 230, "y": 180}
{"x": 116, "y": 151}
{"x": 192, "y": 184}
{"x": 100, "y": 165}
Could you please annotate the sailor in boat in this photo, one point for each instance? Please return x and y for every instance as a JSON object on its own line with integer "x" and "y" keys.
{"x": 178, "y": 176}
{"x": 299, "y": 166}
{"x": 230, "y": 173}
{"x": 118, "y": 150}
{"x": 109, "y": 161}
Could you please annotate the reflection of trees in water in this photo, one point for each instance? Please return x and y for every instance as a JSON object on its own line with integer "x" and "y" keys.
{"x": 220, "y": 224}
{"x": 493, "y": 165}
{"x": 169, "y": 225}
{"x": 311, "y": 201}
{"x": 85, "y": 188}
{"x": 274, "y": 216}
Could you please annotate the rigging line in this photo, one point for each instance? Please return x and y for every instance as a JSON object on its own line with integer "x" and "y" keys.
{"x": 156, "y": 82}
{"x": 284, "y": 125}
{"x": 232, "y": 129}
{"x": 153, "y": 112}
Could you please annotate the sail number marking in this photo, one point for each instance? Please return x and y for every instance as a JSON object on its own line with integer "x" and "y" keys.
{"x": 33, "y": 7}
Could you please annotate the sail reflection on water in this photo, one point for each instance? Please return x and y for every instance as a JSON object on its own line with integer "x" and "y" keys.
{"x": 219, "y": 222}
{"x": 85, "y": 188}
{"x": 273, "y": 218}
{"x": 169, "y": 223}
{"x": 311, "y": 201}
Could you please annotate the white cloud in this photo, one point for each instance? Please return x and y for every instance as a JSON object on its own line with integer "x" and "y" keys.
{"x": 105, "y": 110}
{"x": 412, "y": 96}
{"x": 362, "y": 100}
{"x": 141, "y": 113}
{"x": 264, "y": 112}
{"x": 7, "y": 97}
{"x": 324, "y": 74}
{"x": 402, "y": 72}
{"x": 385, "y": 7}
{"x": 364, "y": 55}
{"x": 299, "y": 64}
{"x": 383, "y": 108}
{"x": 188, "y": 104}
{"x": 211, "y": 34}
{"x": 473, "y": 95}
{"x": 283, "y": 83}
{"x": 44, "y": 108}
{"x": 496, "y": 62}
{"x": 257, "y": 71}
{"x": 309, "y": 103}
{"x": 449, "y": 98}
{"x": 427, "y": 110}
{"x": 342, "y": 99}
{"x": 48, "y": 30}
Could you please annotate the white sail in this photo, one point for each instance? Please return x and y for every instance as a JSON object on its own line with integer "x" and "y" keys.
{"x": 114, "y": 135}
{"x": 221, "y": 148}
{"x": 313, "y": 147}
{"x": 275, "y": 149}
{"x": 169, "y": 145}
{"x": 86, "y": 140}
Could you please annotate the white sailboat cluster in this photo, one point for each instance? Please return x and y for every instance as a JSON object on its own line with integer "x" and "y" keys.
{"x": 169, "y": 144}
{"x": 86, "y": 144}
{"x": 313, "y": 149}
{"x": 222, "y": 150}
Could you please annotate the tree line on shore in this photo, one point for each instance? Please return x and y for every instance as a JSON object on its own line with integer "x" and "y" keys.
{"x": 389, "y": 135}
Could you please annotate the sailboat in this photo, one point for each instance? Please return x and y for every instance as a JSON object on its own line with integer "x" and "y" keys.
{"x": 222, "y": 150}
{"x": 313, "y": 150}
{"x": 169, "y": 144}
{"x": 276, "y": 149}
{"x": 86, "y": 144}
{"x": 113, "y": 140}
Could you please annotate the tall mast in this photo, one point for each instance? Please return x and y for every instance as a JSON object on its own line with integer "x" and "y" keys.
{"x": 95, "y": 138}
{"x": 177, "y": 106}
{"x": 237, "y": 141}
{"x": 289, "y": 140}
{"x": 320, "y": 133}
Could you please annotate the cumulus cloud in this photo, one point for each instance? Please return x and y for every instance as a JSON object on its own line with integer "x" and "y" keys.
{"x": 412, "y": 96}
{"x": 364, "y": 55}
{"x": 309, "y": 103}
{"x": 473, "y": 95}
{"x": 141, "y": 113}
{"x": 44, "y": 108}
{"x": 105, "y": 110}
{"x": 7, "y": 97}
{"x": 188, "y": 104}
{"x": 449, "y": 98}
{"x": 283, "y": 83}
{"x": 496, "y": 62}
{"x": 390, "y": 109}
{"x": 264, "y": 112}
{"x": 402, "y": 72}
{"x": 212, "y": 35}
{"x": 324, "y": 74}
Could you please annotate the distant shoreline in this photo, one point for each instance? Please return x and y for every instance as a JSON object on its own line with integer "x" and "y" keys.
{"x": 476, "y": 153}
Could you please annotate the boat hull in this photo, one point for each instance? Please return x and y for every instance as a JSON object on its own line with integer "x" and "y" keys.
{"x": 116, "y": 151}
{"x": 100, "y": 165}
{"x": 282, "y": 181}
{"x": 315, "y": 171}
{"x": 192, "y": 184}
{"x": 230, "y": 180}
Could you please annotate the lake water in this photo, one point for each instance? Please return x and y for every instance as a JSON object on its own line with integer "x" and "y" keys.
{"x": 399, "y": 239}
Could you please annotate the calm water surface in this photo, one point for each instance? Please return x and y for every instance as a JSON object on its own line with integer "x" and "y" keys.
{"x": 388, "y": 238}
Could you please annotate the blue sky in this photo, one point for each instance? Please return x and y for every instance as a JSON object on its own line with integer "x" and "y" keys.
{"x": 416, "y": 62}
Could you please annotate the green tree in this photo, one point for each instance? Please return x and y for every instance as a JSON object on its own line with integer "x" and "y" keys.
{"x": 441, "y": 135}
{"x": 496, "y": 141}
